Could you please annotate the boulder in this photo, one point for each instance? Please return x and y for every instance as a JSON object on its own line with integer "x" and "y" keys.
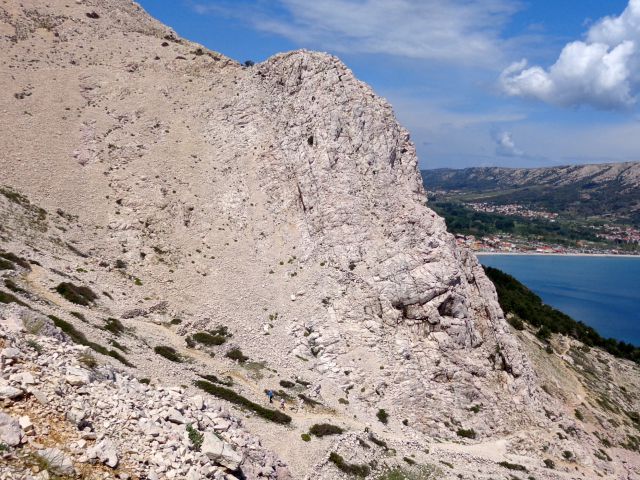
{"x": 77, "y": 376}
{"x": 220, "y": 452}
{"x": 57, "y": 461}
{"x": 105, "y": 451}
{"x": 10, "y": 431}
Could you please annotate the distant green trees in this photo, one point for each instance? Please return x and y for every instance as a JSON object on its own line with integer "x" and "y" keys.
{"x": 516, "y": 298}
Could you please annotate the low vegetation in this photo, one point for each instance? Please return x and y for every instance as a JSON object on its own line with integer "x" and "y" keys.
{"x": 236, "y": 354}
{"x": 6, "y": 297}
{"x": 114, "y": 326}
{"x": 325, "y": 429}
{"x": 516, "y": 298}
{"x": 79, "y": 338}
{"x": 206, "y": 338}
{"x": 513, "y": 466}
{"x": 195, "y": 437}
{"x": 419, "y": 472}
{"x": 287, "y": 384}
{"x": 169, "y": 353}
{"x": 359, "y": 470}
{"x": 237, "y": 399}
{"x": 79, "y": 295}
{"x": 227, "y": 381}
{"x": 466, "y": 433}
{"x": 383, "y": 416}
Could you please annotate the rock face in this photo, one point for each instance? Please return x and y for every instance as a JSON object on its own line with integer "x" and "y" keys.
{"x": 263, "y": 228}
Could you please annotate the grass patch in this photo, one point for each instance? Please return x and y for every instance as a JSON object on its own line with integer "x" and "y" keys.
{"x": 79, "y": 337}
{"x": 325, "y": 429}
{"x": 79, "y": 295}
{"x": 237, "y": 399}
{"x": 120, "y": 347}
{"x": 88, "y": 360}
{"x": 236, "y": 354}
{"x": 79, "y": 316}
{"x": 169, "y": 353}
{"x": 420, "y": 472}
{"x": 466, "y": 433}
{"x": 359, "y": 470}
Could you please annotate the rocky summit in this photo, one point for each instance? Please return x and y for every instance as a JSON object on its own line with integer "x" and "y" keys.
{"x": 181, "y": 234}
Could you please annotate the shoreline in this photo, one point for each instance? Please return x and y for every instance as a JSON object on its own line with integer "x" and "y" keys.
{"x": 538, "y": 254}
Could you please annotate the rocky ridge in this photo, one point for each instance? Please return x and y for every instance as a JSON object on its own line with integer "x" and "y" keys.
{"x": 281, "y": 204}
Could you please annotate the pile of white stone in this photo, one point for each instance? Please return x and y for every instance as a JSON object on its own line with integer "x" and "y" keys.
{"x": 137, "y": 430}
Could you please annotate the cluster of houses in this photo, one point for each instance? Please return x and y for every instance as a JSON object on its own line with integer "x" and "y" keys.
{"x": 512, "y": 209}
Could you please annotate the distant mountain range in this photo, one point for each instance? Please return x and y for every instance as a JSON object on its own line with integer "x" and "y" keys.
{"x": 609, "y": 190}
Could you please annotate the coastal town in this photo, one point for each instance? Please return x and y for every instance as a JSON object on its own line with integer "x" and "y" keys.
{"x": 507, "y": 243}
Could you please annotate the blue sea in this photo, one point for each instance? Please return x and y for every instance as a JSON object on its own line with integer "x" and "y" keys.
{"x": 603, "y": 292}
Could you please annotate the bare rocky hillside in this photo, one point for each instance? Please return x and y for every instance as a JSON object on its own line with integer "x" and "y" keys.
{"x": 181, "y": 233}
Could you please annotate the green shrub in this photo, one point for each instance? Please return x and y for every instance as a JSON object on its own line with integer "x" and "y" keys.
{"x": 325, "y": 429}
{"x": 305, "y": 437}
{"x": 475, "y": 408}
{"x": 195, "y": 437}
{"x": 233, "y": 397}
{"x": 410, "y": 461}
{"x": 6, "y": 265}
{"x": 145, "y": 381}
{"x": 206, "y": 338}
{"x": 513, "y": 466}
{"x": 236, "y": 354}
{"x": 287, "y": 384}
{"x": 377, "y": 441}
{"x": 175, "y": 321}
{"x": 383, "y": 416}
{"x": 13, "y": 286}
{"x": 228, "y": 381}
{"x": 79, "y": 337}
{"x": 349, "y": 468}
{"x": 169, "y": 353}
{"x": 34, "y": 345}
{"x": 79, "y": 316}
{"x": 343, "y": 401}
{"x": 549, "y": 463}
{"x": 466, "y": 433}
{"x": 79, "y": 295}
{"x": 8, "y": 298}
{"x": 119, "y": 346}
{"x": 567, "y": 454}
{"x": 114, "y": 326}
{"x": 309, "y": 401}
{"x": 579, "y": 415}
{"x": 12, "y": 257}
{"x": 516, "y": 323}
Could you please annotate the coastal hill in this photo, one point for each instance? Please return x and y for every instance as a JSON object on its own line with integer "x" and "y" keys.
{"x": 607, "y": 191}
{"x": 182, "y": 233}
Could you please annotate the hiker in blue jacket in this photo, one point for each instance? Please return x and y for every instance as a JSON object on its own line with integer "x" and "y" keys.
{"x": 270, "y": 395}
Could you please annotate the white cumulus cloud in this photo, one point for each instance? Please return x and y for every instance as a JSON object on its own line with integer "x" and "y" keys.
{"x": 505, "y": 146}
{"x": 603, "y": 70}
{"x": 462, "y": 32}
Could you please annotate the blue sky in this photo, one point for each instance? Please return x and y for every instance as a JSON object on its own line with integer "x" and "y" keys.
{"x": 476, "y": 82}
